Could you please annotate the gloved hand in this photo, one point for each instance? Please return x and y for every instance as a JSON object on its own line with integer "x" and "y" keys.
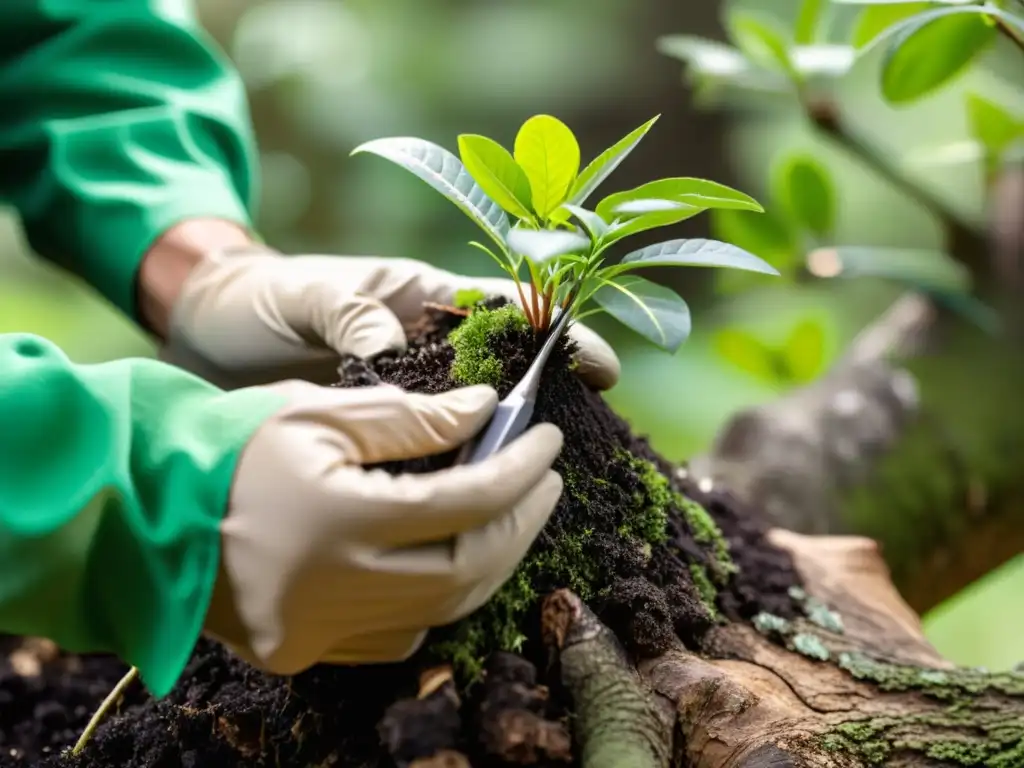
{"x": 323, "y": 560}
{"x": 253, "y": 316}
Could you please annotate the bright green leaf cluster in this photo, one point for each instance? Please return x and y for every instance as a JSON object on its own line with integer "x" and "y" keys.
{"x": 530, "y": 203}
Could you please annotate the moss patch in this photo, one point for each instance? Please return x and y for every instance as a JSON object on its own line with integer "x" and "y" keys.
{"x": 706, "y": 590}
{"x": 944, "y": 685}
{"x": 648, "y": 516}
{"x": 475, "y": 362}
{"x": 971, "y": 738}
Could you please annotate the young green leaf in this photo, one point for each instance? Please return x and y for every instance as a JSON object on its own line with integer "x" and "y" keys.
{"x": 992, "y": 124}
{"x": 602, "y": 166}
{"x": 699, "y": 193}
{"x": 629, "y": 227}
{"x": 655, "y": 312}
{"x": 497, "y": 173}
{"x": 804, "y": 186}
{"x": 931, "y": 49}
{"x": 805, "y": 351}
{"x": 746, "y": 352}
{"x": 764, "y": 234}
{"x": 445, "y": 173}
{"x": 594, "y": 224}
{"x": 808, "y": 21}
{"x": 693, "y": 253}
{"x": 762, "y": 41}
{"x": 547, "y": 151}
{"x": 545, "y": 244}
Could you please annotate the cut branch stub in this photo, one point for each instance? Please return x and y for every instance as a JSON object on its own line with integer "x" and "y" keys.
{"x": 618, "y": 720}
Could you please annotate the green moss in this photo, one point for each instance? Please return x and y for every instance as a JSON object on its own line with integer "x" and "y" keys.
{"x": 706, "y": 531}
{"x": 707, "y": 591}
{"x": 984, "y": 737}
{"x": 468, "y": 298}
{"x": 648, "y": 518}
{"x": 945, "y": 685}
{"x": 810, "y": 646}
{"x": 497, "y": 624}
{"x": 475, "y": 363}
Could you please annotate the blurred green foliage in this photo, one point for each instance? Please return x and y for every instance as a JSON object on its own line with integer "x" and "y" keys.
{"x": 326, "y": 75}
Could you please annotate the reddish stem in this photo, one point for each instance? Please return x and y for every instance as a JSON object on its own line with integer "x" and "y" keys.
{"x": 538, "y": 318}
{"x": 546, "y": 309}
{"x": 526, "y": 306}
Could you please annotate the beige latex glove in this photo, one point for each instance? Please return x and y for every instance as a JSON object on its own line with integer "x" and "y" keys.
{"x": 253, "y": 316}
{"x": 323, "y": 560}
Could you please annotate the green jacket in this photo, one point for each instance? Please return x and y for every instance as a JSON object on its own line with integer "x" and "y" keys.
{"x": 117, "y": 120}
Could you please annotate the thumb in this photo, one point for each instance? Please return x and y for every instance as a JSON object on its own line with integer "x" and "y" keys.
{"x": 350, "y": 325}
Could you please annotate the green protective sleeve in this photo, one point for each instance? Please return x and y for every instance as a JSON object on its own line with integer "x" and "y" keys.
{"x": 120, "y": 118}
{"x": 113, "y": 481}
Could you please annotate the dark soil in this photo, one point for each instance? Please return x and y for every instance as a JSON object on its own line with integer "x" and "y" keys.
{"x": 224, "y": 713}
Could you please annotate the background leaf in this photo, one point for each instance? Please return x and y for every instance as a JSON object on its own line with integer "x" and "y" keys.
{"x": 932, "y": 49}
{"x": 763, "y": 234}
{"x": 805, "y": 351}
{"x": 547, "y": 151}
{"x": 746, "y": 352}
{"x": 921, "y": 269}
{"x": 804, "y": 186}
{"x": 762, "y": 40}
{"x": 808, "y": 21}
{"x": 602, "y": 166}
{"x": 992, "y": 124}
{"x": 657, "y": 313}
{"x": 445, "y": 173}
{"x": 875, "y": 19}
{"x": 497, "y": 172}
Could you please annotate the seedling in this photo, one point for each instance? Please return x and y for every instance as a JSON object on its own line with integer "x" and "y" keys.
{"x": 530, "y": 203}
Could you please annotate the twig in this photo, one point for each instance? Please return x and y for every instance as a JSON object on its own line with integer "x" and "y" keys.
{"x": 1007, "y": 30}
{"x": 108, "y": 703}
{"x": 617, "y": 720}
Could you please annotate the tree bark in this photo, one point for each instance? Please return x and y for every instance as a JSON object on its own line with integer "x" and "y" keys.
{"x": 853, "y": 684}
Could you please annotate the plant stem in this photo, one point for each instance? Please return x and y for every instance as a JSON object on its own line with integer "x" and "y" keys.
{"x": 108, "y": 703}
{"x": 546, "y": 309}
{"x": 525, "y": 304}
{"x": 538, "y": 319}
{"x": 1011, "y": 33}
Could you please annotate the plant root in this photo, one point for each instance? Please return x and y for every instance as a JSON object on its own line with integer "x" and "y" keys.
{"x": 619, "y": 722}
{"x": 108, "y": 703}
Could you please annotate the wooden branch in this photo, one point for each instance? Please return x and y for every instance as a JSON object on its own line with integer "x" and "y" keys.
{"x": 914, "y": 437}
{"x": 853, "y": 684}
